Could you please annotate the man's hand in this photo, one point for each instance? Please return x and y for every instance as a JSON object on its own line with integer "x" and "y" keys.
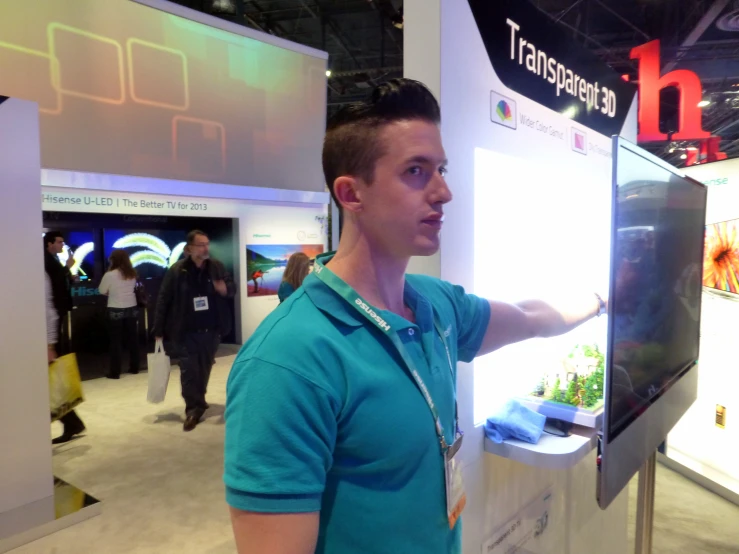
{"x": 70, "y": 261}
{"x": 220, "y": 286}
{"x": 51, "y": 353}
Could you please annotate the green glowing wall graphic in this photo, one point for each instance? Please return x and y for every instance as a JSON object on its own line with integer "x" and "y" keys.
{"x": 127, "y": 89}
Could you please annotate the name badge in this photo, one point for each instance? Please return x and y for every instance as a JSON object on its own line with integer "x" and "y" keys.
{"x": 456, "y": 498}
{"x": 200, "y": 303}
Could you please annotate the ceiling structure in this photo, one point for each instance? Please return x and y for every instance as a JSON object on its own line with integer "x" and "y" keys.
{"x": 364, "y": 39}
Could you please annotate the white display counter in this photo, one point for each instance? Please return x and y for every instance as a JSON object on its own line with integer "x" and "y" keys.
{"x": 551, "y": 452}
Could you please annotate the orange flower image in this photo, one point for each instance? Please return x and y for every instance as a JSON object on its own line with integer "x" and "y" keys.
{"x": 721, "y": 257}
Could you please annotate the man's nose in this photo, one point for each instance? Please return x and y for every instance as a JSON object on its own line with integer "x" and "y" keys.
{"x": 443, "y": 193}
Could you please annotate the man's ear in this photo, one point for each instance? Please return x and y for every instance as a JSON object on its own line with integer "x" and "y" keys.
{"x": 346, "y": 191}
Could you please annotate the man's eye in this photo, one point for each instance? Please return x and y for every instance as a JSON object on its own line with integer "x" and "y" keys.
{"x": 416, "y": 170}
{"x": 443, "y": 171}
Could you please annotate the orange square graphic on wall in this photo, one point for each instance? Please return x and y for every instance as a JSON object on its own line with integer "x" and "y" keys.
{"x": 31, "y": 77}
{"x": 157, "y": 75}
{"x": 68, "y": 45}
{"x": 198, "y": 147}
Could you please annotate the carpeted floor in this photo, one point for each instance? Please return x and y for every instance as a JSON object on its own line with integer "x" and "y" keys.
{"x": 162, "y": 491}
{"x": 688, "y": 518}
{"x": 161, "y": 488}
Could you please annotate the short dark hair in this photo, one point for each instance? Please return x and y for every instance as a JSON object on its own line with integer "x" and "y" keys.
{"x": 50, "y": 238}
{"x": 195, "y": 233}
{"x": 352, "y": 147}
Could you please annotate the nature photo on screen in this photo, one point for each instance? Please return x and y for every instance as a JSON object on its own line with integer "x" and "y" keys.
{"x": 266, "y": 263}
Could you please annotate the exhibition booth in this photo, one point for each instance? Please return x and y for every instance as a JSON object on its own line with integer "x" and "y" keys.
{"x": 149, "y": 123}
{"x": 548, "y": 205}
{"x": 161, "y": 118}
{"x": 253, "y": 234}
{"x": 702, "y": 445}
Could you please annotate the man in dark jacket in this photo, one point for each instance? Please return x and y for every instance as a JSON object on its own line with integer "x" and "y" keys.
{"x": 61, "y": 279}
{"x": 60, "y": 276}
{"x": 192, "y": 314}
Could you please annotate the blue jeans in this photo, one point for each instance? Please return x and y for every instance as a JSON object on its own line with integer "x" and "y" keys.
{"x": 123, "y": 325}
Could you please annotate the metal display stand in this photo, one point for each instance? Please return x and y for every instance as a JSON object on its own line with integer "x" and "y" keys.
{"x": 645, "y": 505}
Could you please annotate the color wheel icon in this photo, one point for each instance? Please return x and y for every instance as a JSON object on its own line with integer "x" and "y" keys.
{"x": 503, "y": 110}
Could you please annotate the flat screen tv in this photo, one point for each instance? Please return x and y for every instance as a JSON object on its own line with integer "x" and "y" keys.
{"x": 81, "y": 246}
{"x": 657, "y": 241}
{"x": 152, "y": 251}
{"x": 721, "y": 258}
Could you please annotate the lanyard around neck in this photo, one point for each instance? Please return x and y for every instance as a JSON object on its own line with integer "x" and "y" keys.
{"x": 350, "y": 295}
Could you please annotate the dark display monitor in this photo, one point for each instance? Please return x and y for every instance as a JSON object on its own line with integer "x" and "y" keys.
{"x": 654, "y": 309}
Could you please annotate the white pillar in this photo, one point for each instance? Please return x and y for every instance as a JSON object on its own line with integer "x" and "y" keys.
{"x": 26, "y": 482}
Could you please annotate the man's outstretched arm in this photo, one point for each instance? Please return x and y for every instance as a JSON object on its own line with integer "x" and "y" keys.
{"x": 511, "y": 323}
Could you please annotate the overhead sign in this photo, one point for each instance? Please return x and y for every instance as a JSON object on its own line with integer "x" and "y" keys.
{"x": 535, "y": 57}
{"x": 650, "y": 85}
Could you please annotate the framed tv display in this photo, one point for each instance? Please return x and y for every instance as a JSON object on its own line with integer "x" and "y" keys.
{"x": 721, "y": 258}
{"x": 657, "y": 245}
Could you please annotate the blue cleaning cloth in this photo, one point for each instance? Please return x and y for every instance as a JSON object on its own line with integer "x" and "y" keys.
{"x": 515, "y": 421}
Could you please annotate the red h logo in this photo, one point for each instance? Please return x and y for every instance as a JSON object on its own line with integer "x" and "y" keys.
{"x": 650, "y": 84}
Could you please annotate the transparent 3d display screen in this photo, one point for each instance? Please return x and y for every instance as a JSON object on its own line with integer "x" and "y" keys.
{"x": 657, "y": 274}
{"x": 542, "y": 231}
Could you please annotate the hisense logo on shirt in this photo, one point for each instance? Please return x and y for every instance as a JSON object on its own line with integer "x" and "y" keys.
{"x": 381, "y": 322}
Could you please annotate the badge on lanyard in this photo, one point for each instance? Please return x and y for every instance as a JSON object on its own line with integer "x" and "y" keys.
{"x": 456, "y": 498}
{"x": 200, "y": 303}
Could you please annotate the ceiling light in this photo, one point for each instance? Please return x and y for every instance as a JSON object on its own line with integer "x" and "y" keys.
{"x": 570, "y": 112}
{"x": 328, "y": 73}
{"x": 703, "y": 103}
{"x": 683, "y": 156}
{"x": 672, "y": 150}
{"x": 223, "y": 7}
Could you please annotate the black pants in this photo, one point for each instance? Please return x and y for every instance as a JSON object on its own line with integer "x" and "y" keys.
{"x": 196, "y": 354}
{"x": 123, "y": 323}
{"x": 62, "y": 345}
{"x": 71, "y": 421}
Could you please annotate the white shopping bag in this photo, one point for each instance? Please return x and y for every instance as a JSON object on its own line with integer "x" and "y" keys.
{"x": 158, "y": 374}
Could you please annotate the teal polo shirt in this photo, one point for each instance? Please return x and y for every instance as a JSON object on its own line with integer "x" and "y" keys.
{"x": 323, "y": 416}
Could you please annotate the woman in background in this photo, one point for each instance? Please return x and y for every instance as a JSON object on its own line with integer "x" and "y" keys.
{"x": 118, "y": 285}
{"x": 298, "y": 267}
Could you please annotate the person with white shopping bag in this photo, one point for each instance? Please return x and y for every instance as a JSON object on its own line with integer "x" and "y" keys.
{"x": 192, "y": 315}
{"x": 59, "y": 299}
{"x": 159, "y": 367}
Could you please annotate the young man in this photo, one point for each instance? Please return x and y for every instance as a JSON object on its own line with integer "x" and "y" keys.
{"x": 192, "y": 315}
{"x": 60, "y": 275}
{"x": 60, "y": 280}
{"x": 340, "y": 418}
